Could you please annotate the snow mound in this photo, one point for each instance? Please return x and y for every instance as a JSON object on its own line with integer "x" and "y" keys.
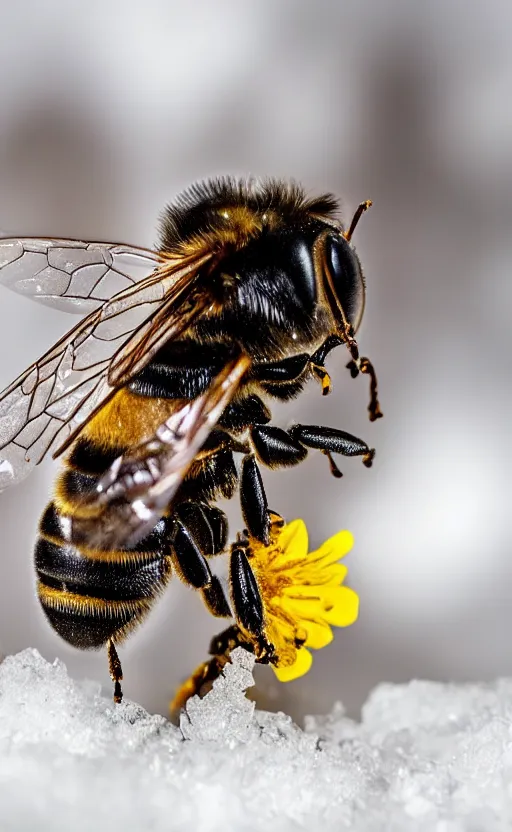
{"x": 425, "y": 756}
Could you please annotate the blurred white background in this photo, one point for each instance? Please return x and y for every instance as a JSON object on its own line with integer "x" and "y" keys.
{"x": 109, "y": 109}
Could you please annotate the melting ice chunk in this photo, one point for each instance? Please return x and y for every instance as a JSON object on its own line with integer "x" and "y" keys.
{"x": 225, "y": 714}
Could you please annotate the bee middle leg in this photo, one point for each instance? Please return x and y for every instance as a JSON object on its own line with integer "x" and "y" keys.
{"x": 278, "y": 448}
{"x": 200, "y": 530}
{"x": 207, "y": 523}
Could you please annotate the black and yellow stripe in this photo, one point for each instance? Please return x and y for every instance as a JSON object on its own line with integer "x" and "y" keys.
{"x": 93, "y": 596}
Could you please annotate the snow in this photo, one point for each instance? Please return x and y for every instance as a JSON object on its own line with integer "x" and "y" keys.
{"x": 425, "y": 756}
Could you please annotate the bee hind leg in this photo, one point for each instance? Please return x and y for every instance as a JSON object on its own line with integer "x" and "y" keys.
{"x": 116, "y": 671}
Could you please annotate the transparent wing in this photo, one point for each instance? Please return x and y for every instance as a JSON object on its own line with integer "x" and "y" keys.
{"x": 50, "y": 401}
{"x": 71, "y": 275}
{"x": 138, "y": 487}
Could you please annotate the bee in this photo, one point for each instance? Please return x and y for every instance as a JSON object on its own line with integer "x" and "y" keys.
{"x": 165, "y": 381}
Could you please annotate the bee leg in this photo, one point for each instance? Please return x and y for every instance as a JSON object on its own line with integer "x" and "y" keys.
{"x": 188, "y": 558}
{"x": 279, "y": 372}
{"x": 317, "y": 362}
{"x": 362, "y": 365}
{"x": 245, "y": 594}
{"x": 215, "y": 599}
{"x": 207, "y": 524}
{"x": 193, "y": 569}
{"x": 253, "y": 500}
{"x": 116, "y": 671}
{"x": 365, "y": 366}
{"x": 331, "y": 440}
{"x": 292, "y": 369}
{"x": 275, "y": 448}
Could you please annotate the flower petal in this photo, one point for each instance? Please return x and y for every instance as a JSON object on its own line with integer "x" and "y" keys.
{"x": 311, "y": 592}
{"x": 335, "y": 574}
{"x": 341, "y": 606}
{"x": 310, "y": 617}
{"x": 333, "y": 549}
{"x": 337, "y": 605}
{"x": 293, "y": 541}
{"x": 314, "y": 575}
{"x": 319, "y": 634}
{"x": 304, "y": 609}
{"x": 299, "y": 668}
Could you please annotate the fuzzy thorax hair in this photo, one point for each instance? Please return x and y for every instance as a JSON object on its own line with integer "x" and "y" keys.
{"x": 228, "y": 212}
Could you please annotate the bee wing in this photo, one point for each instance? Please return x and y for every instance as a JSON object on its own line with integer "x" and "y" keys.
{"x": 137, "y": 489}
{"x": 52, "y": 399}
{"x": 72, "y": 275}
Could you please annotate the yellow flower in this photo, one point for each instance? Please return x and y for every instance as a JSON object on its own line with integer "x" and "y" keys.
{"x": 302, "y": 594}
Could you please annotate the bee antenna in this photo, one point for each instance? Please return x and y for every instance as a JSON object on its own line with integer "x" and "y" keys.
{"x": 362, "y": 207}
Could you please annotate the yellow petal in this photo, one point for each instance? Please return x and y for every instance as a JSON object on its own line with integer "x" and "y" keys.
{"x": 293, "y": 541}
{"x": 314, "y": 575}
{"x": 280, "y": 625}
{"x": 300, "y": 667}
{"x": 333, "y": 549}
{"x": 307, "y": 609}
{"x": 341, "y": 606}
{"x": 337, "y": 605}
{"x": 313, "y": 592}
{"x": 310, "y": 617}
{"x": 335, "y": 574}
{"x": 319, "y": 634}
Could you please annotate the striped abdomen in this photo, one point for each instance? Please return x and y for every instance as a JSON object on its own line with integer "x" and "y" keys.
{"x": 90, "y": 596}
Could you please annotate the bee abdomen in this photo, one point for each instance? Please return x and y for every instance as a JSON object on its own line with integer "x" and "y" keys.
{"x": 90, "y": 596}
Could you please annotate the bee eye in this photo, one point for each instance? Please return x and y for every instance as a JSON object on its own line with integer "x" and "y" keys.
{"x": 345, "y": 285}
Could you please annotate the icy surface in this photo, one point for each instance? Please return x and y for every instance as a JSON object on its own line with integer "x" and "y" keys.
{"x": 425, "y": 757}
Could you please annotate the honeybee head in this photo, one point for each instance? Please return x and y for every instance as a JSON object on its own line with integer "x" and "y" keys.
{"x": 284, "y": 271}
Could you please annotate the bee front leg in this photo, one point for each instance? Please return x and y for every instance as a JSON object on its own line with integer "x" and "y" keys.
{"x": 317, "y": 362}
{"x": 364, "y": 365}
